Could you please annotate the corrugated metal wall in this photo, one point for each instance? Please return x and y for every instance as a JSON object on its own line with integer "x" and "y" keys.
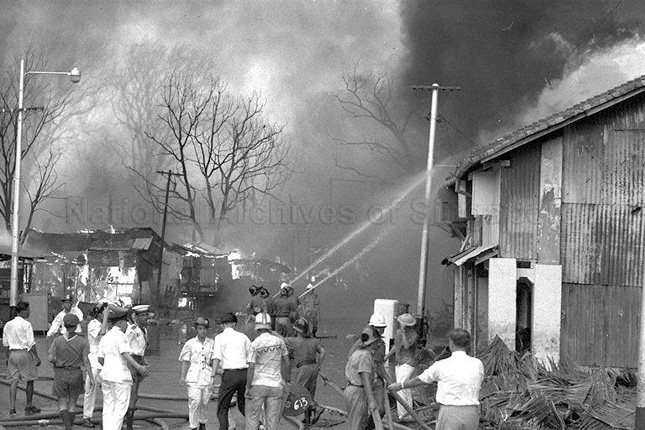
{"x": 600, "y": 324}
{"x": 603, "y": 191}
{"x": 602, "y": 244}
{"x": 519, "y": 204}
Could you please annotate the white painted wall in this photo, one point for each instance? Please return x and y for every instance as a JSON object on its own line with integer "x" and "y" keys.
{"x": 547, "y": 311}
{"x": 502, "y": 292}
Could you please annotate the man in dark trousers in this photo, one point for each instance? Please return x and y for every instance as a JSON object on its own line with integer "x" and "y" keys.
{"x": 68, "y": 353}
{"x": 232, "y": 352}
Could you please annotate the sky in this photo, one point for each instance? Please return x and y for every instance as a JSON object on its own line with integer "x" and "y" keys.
{"x": 515, "y": 61}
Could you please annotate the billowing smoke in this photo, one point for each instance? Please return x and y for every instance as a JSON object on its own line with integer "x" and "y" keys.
{"x": 515, "y": 61}
{"x": 505, "y": 53}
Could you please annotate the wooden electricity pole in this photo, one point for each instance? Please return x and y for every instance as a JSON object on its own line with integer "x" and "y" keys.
{"x": 163, "y": 225}
{"x": 423, "y": 262}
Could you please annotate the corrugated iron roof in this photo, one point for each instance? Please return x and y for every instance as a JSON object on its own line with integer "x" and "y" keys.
{"x": 135, "y": 238}
{"x": 544, "y": 126}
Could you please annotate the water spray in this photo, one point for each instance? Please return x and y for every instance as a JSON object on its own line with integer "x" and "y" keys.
{"x": 359, "y": 230}
{"x": 364, "y": 251}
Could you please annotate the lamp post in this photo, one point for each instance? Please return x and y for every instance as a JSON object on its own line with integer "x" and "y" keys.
{"x": 75, "y": 76}
{"x": 425, "y": 241}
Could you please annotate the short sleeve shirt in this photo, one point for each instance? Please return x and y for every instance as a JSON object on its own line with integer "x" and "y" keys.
{"x": 268, "y": 351}
{"x": 199, "y": 354}
{"x": 115, "y": 368}
{"x": 359, "y": 362}
{"x": 303, "y": 349}
{"x": 459, "y": 379}
{"x": 69, "y": 352}
{"x": 18, "y": 334}
{"x": 232, "y": 349}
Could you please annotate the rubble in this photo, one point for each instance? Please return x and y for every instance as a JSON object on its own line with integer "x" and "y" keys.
{"x": 521, "y": 393}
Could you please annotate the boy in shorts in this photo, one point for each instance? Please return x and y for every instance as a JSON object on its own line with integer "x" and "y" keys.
{"x": 18, "y": 336}
{"x": 68, "y": 353}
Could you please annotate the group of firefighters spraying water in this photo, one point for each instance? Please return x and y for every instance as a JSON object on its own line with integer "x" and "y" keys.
{"x": 272, "y": 377}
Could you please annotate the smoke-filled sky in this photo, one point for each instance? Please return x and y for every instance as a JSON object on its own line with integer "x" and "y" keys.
{"x": 515, "y": 61}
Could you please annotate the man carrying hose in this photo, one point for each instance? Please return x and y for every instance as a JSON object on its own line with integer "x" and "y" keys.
{"x": 360, "y": 374}
{"x": 459, "y": 379}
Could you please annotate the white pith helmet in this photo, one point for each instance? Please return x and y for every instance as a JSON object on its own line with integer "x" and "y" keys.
{"x": 377, "y": 320}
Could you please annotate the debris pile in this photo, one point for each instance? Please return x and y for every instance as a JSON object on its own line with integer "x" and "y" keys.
{"x": 521, "y": 393}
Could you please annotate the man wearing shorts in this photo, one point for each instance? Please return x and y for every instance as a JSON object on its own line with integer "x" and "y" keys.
{"x": 68, "y": 353}
{"x": 23, "y": 357}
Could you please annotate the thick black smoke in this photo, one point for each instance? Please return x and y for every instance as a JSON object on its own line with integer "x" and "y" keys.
{"x": 504, "y": 52}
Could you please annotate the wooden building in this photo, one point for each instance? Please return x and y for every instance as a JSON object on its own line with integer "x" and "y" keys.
{"x": 553, "y": 221}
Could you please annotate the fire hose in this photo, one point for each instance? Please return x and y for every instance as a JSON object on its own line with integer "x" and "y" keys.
{"x": 45, "y": 418}
{"x": 334, "y": 386}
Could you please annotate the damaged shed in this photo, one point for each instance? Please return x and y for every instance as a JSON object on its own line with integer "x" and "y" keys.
{"x": 93, "y": 265}
{"x": 552, "y": 233}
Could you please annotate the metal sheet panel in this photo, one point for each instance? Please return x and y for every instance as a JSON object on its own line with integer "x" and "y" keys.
{"x": 604, "y": 158}
{"x": 602, "y": 244}
{"x": 600, "y": 324}
{"x": 519, "y": 204}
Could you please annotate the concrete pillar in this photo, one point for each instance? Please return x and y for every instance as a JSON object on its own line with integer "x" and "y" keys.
{"x": 502, "y": 303}
{"x": 547, "y": 312}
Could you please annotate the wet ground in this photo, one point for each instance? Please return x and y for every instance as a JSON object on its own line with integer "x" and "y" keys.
{"x": 163, "y": 382}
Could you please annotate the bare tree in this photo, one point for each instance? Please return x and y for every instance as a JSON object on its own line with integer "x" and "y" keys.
{"x": 39, "y": 179}
{"x": 131, "y": 89}
{"x": 370, "y": 97}
{"x": 222, "y": 147}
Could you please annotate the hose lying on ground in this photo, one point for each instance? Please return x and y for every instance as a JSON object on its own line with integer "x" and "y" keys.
{"x": 98, "y": 408}
{"x": 54, "y": 419}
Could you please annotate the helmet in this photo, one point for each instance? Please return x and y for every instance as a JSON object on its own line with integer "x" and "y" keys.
{"x": 262, "y": 321}
{"x": 377, "y": 320}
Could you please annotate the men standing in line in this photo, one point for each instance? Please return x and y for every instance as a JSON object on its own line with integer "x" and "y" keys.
{"x": 138, "y": 339}
{"x": 231, "y": 351}
{"x": 359, "y": 372}
{"x": 57, "y": 326}
{"x": 23, "y": 360}
{"x": 196, "y": 358}
{"x": 459, "y": 379}
{"x": 68, "y": 353}
{"x": 116, "y": 379}
{"x": 267, "y": 375}
{"x": 96, "y": 328}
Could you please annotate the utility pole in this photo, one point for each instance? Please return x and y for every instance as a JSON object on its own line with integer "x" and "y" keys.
{"x": 163, "y": 224}
{"x": 423, "y": 262}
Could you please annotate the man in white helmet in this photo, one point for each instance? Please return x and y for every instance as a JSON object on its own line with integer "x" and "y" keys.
{"x": 377, "y": 324}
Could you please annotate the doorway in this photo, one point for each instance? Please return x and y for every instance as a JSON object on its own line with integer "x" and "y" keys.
{"x": 524, "y": 317}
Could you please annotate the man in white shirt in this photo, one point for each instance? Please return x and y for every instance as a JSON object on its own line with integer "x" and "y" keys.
{"x": 267, "y": 376}
{"x": 197, "y": 374}
{"x": 95, "y": 331}
{"x": 57, "y": 326}
{"x": 231, "y": 352}
{"x": 459, "y": 379}
{"x": 23, "y": 360}
{"x": 116, "y": 379}
{"x": 137, "y": 335}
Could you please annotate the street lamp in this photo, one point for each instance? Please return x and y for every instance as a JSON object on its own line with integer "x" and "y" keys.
{"x": 75, "y": 76}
